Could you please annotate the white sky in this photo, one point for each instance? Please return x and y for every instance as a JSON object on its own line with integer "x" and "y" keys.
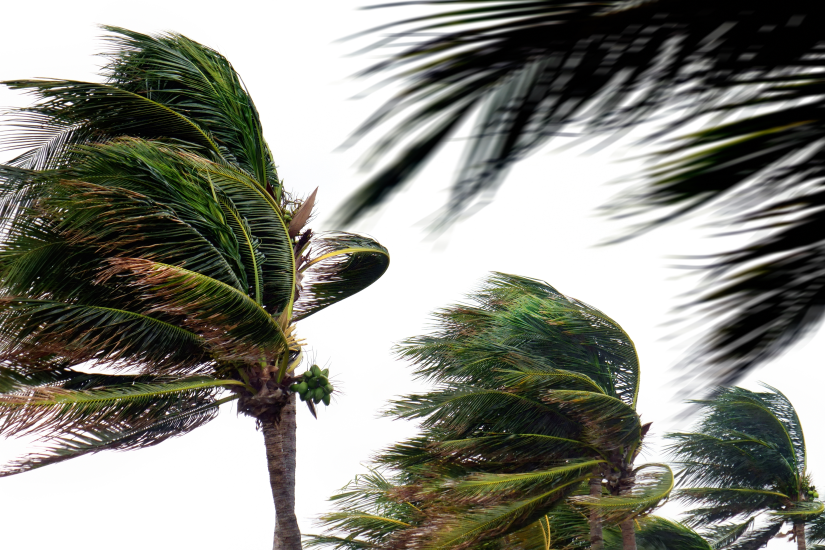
{"x": 210, "y": 489}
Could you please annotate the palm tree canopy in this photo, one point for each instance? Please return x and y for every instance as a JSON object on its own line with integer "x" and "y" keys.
{"x": 746, "y": 457}
{"x": 534, "y": 391}
{"x": 520, "y": 72}
{"x": 146, "y": 236}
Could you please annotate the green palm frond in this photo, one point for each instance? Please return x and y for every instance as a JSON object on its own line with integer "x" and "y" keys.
{"x": 758, "y": 537}
{"x": 767, "y": 416}
{"x": 72, "y": 113}
{"x": 112, "y": 222}
{"x": 609, "y": 422}
{"x": 146, "y": 232}
{"x": 511, "y": 448}
{"x": 815, "y": 529}
{"x": 227, "y": 318}
{"x": 368, "y": 511}
{"x": 744, "y": 439}
{"x": 466, "y": 529}
{"x": 563, "y": 528}
{"x": 723, "y": 504}
{"x": 12, "y": 380}
{"x": 50, "y": 410}
{"x": 648, "y": 492}
{"x": 338, "y": 266}
{"x": 536, "y": 395}
{"x": 33, "y": 330}
{"x": 208, "y": 196}
{"x": 724, "y": 535}
{"x": 481, "y": 485}
{"x": 657, "y": 533}
{"x": 179, "y": 419}
{"x": 746, "y": 458}
{"x": 462, "y": 411}
{"x": 519, "y": 322}
{"x": 759, "y": 174}
{"x": 539, "y": 380}
{"x": 336, "y": 543}
{"x": 802, "y": 509}
{"x": 164, "y": 85}
{"x": 188, "y": 77}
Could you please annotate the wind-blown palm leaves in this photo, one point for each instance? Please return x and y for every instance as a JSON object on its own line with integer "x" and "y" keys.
{"x": 536, "y": 395}
{"x": 146, "y": 233}
{"x": 524, "y": 69}
{"x": 763, "y": 174}
{"x": 369, "y": 513}
{"x": 747, "y": 459}
{"x": 521, "y": 71}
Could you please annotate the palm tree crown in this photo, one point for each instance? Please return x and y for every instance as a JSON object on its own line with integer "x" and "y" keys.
{"x": 536, "y": 396}
{"x": 152, "y": 265}
{"x": 746, "y": 458}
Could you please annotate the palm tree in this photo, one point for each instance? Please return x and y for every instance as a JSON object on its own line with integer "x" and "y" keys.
{"x": 521, "y": 72}
{"x": 153, "y": 266}
{"x": 535, "y": 406}
{"x": 745, "y": 460}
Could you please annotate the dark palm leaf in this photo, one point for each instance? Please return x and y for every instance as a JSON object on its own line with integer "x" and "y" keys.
{"x": 337, "y": 266}
{"x": 530, "y": 67}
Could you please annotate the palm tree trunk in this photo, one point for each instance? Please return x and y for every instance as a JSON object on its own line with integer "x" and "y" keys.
{"x": 628, "y": 528}
{"x": 596, "y": 538}
{"x": 799, "y": 533}
{"x": 279, "y": 439}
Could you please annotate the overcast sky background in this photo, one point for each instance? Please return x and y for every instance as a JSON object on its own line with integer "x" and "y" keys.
{"x": 210, "y": 489}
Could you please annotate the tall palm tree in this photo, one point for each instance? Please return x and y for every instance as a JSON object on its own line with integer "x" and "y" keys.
{"x": 534, "y": 406}
{"x": 745, "y": 460}
{"x": 152, "y": 265}
{"x": 520, "y": 72}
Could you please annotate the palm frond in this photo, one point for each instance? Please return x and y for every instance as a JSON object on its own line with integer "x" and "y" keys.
{"x": 511, "y": 448}
{"x": 724, "y": 535}
{"x": 649, "y": 490}
{"x": 723, "y": 504}
{"x": 657, "y": 533}
{"x": 121, "y": 436}
{"x": 71, "y": 113}
{"x": 815, "y": 529}
{"x": 52, "y": 410}
{"x": 338, "y": 266}
{"x": 609, "y": 422}
{"x": 114, "y": 222}
{"x": 465, "y": 530}
{"x": 227, "y": 318}
{"x": 802, "y": 509}
{"x": 758, "y": 537}
{"x": 479, "y": 486}
{"x": 462, "y": 411}
{"x": 520, "y": 323}
{"x": 528, "y": 68}
{"x": 33, "y": 330}
{"x": 186, "y": 76}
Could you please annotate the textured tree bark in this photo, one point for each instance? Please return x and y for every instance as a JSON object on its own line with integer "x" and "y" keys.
{"x": 596, "y": 538}
{"x": 799, "y": 533}
{"x": 279, "y": 439}
{"x": 628, "y": 527}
